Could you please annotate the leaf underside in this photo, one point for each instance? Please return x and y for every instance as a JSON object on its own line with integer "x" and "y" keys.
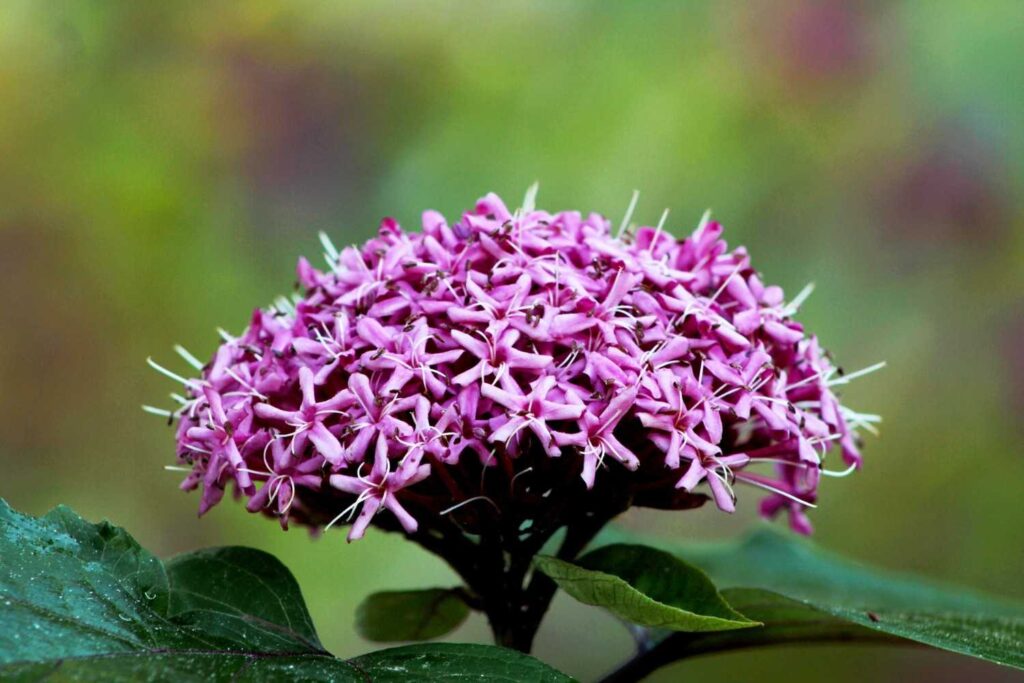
{"x": 645, "y": 586}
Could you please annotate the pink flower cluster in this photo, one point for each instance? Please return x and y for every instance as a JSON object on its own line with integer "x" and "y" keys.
{"x": 504, "y": 341}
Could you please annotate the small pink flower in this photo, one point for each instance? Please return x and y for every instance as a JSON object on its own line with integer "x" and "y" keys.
{"x": 309, "y": 420}
{"x": 378, "y": 489}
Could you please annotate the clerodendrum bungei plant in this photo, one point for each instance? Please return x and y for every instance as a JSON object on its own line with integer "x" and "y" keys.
{"x": 481, "y": 385}
{"x": 497, "y": 390}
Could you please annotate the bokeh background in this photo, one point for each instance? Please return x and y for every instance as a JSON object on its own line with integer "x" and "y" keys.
{"x": 162, "y": 166}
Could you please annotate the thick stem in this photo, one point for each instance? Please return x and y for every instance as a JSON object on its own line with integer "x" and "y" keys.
{"x": 529, "y": 601}
{"x": 541, "y": 589}
{"x": 493, "y": 551}
{"x": 497, "y": 570}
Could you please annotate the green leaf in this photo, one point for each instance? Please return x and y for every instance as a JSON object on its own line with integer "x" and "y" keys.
{"x": 869, "y": 603}
{"x": 394, "y": 616}
{"x": 785, "y": 621}
{"x": 645, "y": 586}
{"x": 85, "y": 602}
{"x": 455, "y": 662}
{"x": 240, "y": 594}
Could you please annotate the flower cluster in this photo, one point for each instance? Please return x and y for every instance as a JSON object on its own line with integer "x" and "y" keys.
{"x": 528, "y": 344}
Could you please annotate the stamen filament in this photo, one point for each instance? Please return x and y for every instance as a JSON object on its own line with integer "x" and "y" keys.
{"x": 846, "y": 379}
{"x": 446, "y": 511}
{"x": 629, "y": 213}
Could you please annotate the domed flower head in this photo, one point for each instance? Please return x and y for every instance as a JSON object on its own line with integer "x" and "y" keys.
{"x": 513, "y": 372}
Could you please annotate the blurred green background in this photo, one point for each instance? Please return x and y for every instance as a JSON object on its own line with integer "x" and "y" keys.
{"x": 162, "y": 166}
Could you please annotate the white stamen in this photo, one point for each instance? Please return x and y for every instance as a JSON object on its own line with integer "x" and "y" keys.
{"x": 350, "y": 509}
{"x": 725, "y": 283}
{"x": 189, "y": 358}
{"x": 761, "y": 381}
{"x": 275, "y": 488}
{"x": 870, "y": 428}
{"x": 629, "y": 213}
{"x": 794, "y": 305}
{"x": 245, "y": 384}
{"x": 330, "y": 412}
{"x": 326, "y": 342}
{"x": 167, "y": 373}
{"x": 704, "y": 220}
{"x": 570, "y": 358}
{"x": 726, "y": 470}
{"x": 255, "y": 473}
{"x": 284, "y": 305}
{"x": 530, "y": 199}
{"x": 466, "y": 502}
{"x": 657, "y": 232}
{"x": 784, "y": 494}
{"x": 812, "y": 378}
{"x": 724, "y": 480}
{"x": 840, "y": 474}
{"x": 178, "y": 468}
{"x": 845, "y": 379}
{"x": 828, "y": 473}
{"x": 512, "y": 483}
{"x": 266, "y": 463}
{"x": 330, "y": 251}
{"x": 849, "y": 413}
{"x": 291, "y": 498}
{"x": 152, "y": 410}
{"x": 527, "y": 421}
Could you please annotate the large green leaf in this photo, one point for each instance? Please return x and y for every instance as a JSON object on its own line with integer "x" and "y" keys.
{"x": 848, "y": 600}
{"x": 237, "y": 594}
{"x": 455, "y": 662}
{"x": 433, "y": 662}
{"x": 785, "y": 621}
{"x": 394, "y": 616}
{"x": 86, "y": 602}
{"x": 645, "y": 586}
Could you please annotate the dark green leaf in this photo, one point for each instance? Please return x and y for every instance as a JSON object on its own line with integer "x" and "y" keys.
{"x": 785, "y": 621}
{"x": 786, "y": 564}
{"x": 86, "y": 602}
{"x": 455, "y": 662}
{"x": 433, "y": 662}
{"x": 394, "y": 616}
{"x": 72, "y": 589}
{"x": 185, "y": 666}
{"x": 239, "y": 594}
{"x": 863, "y": 600}
{"x": 645, "y": 586}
